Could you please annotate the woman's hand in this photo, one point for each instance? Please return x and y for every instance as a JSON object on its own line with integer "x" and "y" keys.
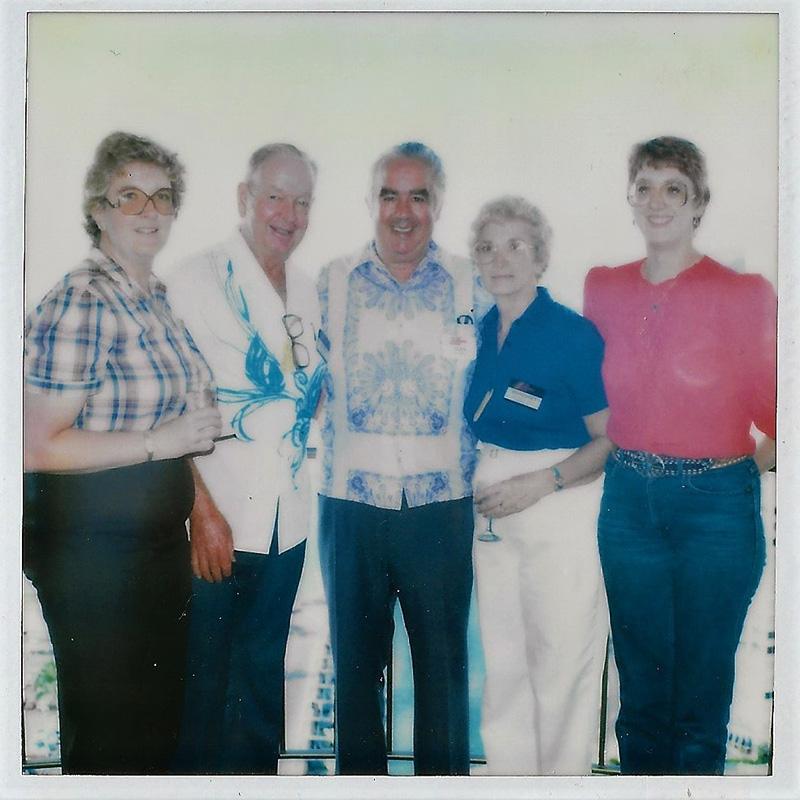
{"x": 515, "y": 494}
{"x": 522, "y": 491}
{"x": 192, "y": 432}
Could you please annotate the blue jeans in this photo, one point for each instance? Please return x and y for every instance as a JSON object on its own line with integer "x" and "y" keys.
{"x": 682, "y": 557}
{"x": 233, "y": 712}
{"x": 370, "y": 557}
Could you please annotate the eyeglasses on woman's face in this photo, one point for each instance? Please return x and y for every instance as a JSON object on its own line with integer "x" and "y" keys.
{"x": 132, "y": 201}
{"x": 485, "y": 251}
{"x": 672, "y": 193}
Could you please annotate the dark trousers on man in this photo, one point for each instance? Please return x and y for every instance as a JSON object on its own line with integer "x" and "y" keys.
{"x": 234, "y": 706}
{"x": 370, "y": 558}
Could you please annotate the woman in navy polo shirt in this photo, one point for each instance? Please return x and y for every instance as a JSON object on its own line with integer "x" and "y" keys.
{"x": 537, "y": 405}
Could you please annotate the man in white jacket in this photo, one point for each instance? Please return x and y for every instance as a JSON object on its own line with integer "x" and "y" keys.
{"x": 253, "y": 314}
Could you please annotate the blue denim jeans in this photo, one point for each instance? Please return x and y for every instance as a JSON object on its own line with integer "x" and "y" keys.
{"x": 682, "y": 557}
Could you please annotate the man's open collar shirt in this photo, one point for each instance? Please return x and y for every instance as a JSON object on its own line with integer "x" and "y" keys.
{"x": 236, "y": 318}
{"x": 395, "y": 382}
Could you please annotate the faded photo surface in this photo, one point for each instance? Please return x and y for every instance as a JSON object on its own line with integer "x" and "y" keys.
{"x": 544, "y": 106}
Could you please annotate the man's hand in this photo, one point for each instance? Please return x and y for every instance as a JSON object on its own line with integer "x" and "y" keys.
{"x": 211, "y": 545}
{"x": 210, "y": 535}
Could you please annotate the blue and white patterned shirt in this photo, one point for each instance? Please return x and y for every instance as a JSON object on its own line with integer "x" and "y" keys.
{"x": 236, "y": 315}
{"x": 97, "y": 331}
{"x": 398, "y": 359}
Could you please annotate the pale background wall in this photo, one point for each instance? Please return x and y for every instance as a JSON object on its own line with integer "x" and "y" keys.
{"x": 546, "y": 105}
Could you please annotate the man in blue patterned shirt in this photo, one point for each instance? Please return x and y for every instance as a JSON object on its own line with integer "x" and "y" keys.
{"x": 396, "y": 519}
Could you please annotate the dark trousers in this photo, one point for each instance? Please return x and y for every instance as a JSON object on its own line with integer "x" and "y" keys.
{"x": 108, "y": 555}
{"x": 682, "y": 557}
{"x": 234, "y": 707}
{"x": 370, "y": 557}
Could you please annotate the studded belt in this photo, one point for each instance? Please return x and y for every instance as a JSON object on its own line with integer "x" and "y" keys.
{"x": 653, "y": 465}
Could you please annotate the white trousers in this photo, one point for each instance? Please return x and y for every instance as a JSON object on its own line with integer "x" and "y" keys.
{"x": 544, "y": 624}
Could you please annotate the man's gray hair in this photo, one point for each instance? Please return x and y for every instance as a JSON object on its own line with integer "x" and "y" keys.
{"x": 419, "y": 152}
{"x": 509, "y": 208}
{"x": 277, "y": 149}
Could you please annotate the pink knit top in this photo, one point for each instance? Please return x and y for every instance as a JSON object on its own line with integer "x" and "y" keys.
{"x": 690, "y": 362}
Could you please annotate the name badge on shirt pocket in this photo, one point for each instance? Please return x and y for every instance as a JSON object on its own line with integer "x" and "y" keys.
{"x": 459, "y": 344}
{"x": 524, "y": 394}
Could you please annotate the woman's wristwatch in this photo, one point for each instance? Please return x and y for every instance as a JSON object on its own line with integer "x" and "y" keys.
{"x": 558, "y": 479}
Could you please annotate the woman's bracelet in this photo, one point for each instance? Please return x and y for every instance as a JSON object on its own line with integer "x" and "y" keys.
{"x": 558, "y": 479}
{"x": 148, "y": 445}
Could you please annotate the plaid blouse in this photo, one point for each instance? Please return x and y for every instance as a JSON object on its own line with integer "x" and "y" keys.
{"x": 99, "y": 332}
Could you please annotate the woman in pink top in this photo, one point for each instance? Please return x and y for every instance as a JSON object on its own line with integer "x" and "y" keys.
{"x": 689, "y": 368}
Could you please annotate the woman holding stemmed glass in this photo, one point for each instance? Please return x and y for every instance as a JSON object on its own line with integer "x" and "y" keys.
{"x": 537, "y": 404}
{"x": 689, "y": 368}
{"x": 107, "y": 489}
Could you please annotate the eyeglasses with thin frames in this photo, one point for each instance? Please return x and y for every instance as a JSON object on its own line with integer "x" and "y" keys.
{"x": 133, "y": 202}
{"x": 514, "y": 249}
{"x": 293, "y": 326}
{"x": 673, "y": 194}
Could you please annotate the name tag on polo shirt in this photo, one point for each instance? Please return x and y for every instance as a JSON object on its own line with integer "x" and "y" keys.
{"x": 524, "y": 394}
{"x": 459, "y": 344}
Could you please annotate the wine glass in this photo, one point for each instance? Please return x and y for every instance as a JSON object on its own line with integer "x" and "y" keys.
{"x": 488, "y": 535}
{"x": 201, "y": 395}
{"x": 204, "y": 395}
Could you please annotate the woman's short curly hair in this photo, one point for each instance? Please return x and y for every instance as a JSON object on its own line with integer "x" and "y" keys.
{"x": 112, "y": 154}
{"x": 672, "y": 151}
{"x": 508, "y": 208}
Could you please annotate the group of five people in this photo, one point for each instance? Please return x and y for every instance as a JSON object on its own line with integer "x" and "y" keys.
{"x": 434, "y": 376}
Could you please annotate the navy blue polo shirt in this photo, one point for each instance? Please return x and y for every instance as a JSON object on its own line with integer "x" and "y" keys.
{"x": 543, "y": 382}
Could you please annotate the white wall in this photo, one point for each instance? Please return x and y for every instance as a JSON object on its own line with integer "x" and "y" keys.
{"x": 543, "y": 105}
{"x": 546, "y": 105}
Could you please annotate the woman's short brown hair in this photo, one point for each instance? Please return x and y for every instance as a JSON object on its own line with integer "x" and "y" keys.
{"x": 112, "y": 154}
{"x": 671, "y": 151}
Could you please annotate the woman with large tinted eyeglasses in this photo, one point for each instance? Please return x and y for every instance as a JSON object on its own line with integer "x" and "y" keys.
{"x": 108, "y": 372}
{"x": 689, "y": 367}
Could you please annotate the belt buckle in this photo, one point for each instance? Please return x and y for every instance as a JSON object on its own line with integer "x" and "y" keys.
{"x": 656, "y": 466}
